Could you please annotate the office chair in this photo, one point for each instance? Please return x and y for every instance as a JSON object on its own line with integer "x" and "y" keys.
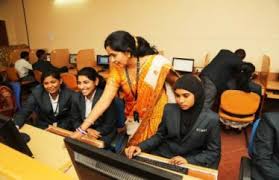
{"x": 13, "y": 76}
{"x": 263, "y": 77}
{"x": 60, "y": 57}
{"x": 32, "y": 56}
{"x": 37, "y": 75}
{"x": 86, "y": 58}
{"x": 70, "y": 80}
{"x": 252, "y": 135}
{"x": 17, "y": 93}
{"x": 238, "y": 109}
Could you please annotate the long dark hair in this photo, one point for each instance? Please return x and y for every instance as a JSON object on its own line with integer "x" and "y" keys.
{"x": 124, "y": 42}
{"x": 91, "y": 74}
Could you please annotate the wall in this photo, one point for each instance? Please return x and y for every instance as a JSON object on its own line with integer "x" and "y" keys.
{"x": 11, "y": 12}
{"x": 181, "y": 28}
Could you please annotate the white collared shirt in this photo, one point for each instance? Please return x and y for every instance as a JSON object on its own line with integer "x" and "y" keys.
{"x": 88, "y": 104}
{"x": 54, "y": 104}
{"x": 22, "y": 67}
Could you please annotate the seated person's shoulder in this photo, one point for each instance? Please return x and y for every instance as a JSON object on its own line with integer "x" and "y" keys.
{"x": 211, "y": 115}
{"x": 271, "y": 118}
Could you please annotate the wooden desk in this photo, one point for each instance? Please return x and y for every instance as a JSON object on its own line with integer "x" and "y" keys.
{"x": 193, "y": 170}
{"x": 272, "y": 87}
{"x": 48, "y": 148}
{"x": 15, "y": 165}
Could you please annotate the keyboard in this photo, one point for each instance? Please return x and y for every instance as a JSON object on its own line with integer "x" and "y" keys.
{"x": 171, "y": 167}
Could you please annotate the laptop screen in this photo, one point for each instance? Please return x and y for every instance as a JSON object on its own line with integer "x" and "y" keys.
{"x": 183, "y": 64}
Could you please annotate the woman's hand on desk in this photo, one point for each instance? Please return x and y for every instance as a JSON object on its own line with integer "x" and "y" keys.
{"x": 132, "y": 151}
{"x": 178, "y": 160}
{"x": 93, "y": 133}
{"x": 76, "y": 135}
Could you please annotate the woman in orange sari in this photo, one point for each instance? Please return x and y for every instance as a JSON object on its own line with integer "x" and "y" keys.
{"x": 141, "y": 74}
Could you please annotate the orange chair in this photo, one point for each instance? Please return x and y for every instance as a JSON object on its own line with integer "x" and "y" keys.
{"x": 32, "y": 56}
{"x": 37, "y": 75}
{"x": 86, "y": 58}
{"x": 60, "y": 57}
{"x": 70, "y": 80}
{"x": 238, "y": 109}
{"x": 12, "y": 74}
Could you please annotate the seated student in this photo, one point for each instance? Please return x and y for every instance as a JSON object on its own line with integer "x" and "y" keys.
{"x": 51, "y": 101}
{"x": 189, "y": 132}
{"x": 43, "y": 65}
{"x": 265, "y": 156}
{"x": 24, "y": 68}
{"x": 91, "y": 85}
{"x": 7, "y": 100}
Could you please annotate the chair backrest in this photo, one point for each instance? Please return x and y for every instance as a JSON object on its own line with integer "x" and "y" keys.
{"x": 86, "y": 58}
{"x": 206, "y": 60}
{"x": 70, "y": 80}
{"x": 37, "y": 75}
{"x": 265, "y": 70}
{"x": 12, "y": 74}
{"x": 60, "y": 57}
{"x": 252, "y": 135}
{"x": 32, "y": 56}
{"x": 239, "y": 102}
{"x": 16, "y": 87}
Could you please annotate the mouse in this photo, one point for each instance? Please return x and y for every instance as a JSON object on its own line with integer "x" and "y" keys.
{"x": 25, "y": 137}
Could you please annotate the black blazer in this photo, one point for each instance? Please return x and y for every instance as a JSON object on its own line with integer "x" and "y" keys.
{"x": 39, "y": 102}
{"x": 105, "y": 124}
{"x": 201, "y": 145}
{"x": 44, "y": 66}
{"x": 221, "y": 68}
{"x": 265, "y": 156}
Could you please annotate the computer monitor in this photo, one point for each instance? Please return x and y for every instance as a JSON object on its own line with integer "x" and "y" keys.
{"x": 184, "y": 65}
{"x": 10, "y": 136}
{"x": 93, "y": 163}
{"x": 103, "y": 60}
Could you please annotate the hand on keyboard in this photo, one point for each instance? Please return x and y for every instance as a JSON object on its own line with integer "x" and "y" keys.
{"x": 132, "y": 151}
{"x": 178, "y": 160}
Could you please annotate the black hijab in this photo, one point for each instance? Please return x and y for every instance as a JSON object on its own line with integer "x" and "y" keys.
{"x": 188, "y": 117}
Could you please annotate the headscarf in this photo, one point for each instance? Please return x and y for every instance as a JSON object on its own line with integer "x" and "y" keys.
{"x": 188, "y": 117}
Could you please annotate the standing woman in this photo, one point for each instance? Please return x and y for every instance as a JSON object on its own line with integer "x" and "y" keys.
{"x": 141, "y": 73}
{"x": 90, "y": 84}
{"x": 51, "y": 101}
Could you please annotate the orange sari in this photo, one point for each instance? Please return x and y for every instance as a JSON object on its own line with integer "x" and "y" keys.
{"x": 152, "y": 96}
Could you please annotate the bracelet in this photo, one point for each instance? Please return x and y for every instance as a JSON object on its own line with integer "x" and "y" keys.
{"x": 81, "y": 131}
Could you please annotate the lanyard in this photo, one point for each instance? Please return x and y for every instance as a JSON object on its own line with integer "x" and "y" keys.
{"x": 135, "y": 94}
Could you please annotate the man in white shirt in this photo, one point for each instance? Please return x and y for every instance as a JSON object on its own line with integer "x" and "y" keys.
{"x": 24, "y": 68}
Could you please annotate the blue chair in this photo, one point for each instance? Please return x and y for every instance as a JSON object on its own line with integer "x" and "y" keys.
{"x": 245, "y": 162}
{"x": 17, "y": 93}
{"x": 253, "y": 133}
